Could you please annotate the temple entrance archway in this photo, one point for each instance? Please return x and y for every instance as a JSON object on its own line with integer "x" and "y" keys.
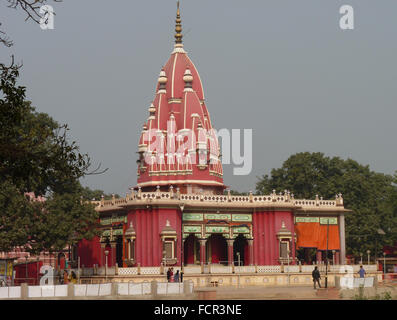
{"x": 240, "y": 245}
{"x": 191, "y": 250}
{"x": 216, "y": 249}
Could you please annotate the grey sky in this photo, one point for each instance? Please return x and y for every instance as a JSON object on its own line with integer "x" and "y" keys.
{"x": 283, "y": 68}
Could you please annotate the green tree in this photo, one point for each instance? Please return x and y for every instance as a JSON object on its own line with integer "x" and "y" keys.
{"x": 36, "y": 156}
{"x": 371, "y": 195}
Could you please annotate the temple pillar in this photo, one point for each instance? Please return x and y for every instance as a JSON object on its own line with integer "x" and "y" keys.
{"x": 342, "y": 238}
{"x": 337, "y": 257}
{"x": 202, "y": 250}
{"x": 251, "y": 252}
{"x": 293, "y": 242}
{"x": 318, "y": 256}
{"x": 230, "y": 257}
{"x": 102, "y": 253}
{"x": 113, "y": 254}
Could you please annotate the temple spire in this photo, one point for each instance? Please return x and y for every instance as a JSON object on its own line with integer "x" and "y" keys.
{"x": 178, "y": 26}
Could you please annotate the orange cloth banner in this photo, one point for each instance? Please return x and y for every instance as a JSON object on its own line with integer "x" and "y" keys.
{"x": 314, "y": 235}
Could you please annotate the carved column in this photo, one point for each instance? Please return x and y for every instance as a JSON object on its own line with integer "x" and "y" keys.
{"x": 342, "y": 238}
{"x": 113, "y": 253}
{"x": 230, "y": 251}
{"x": 102, "y": 253}
{"x": 337, "y": 257}
{"x": 202, "y": 250}
{"x": 251, "y": 251}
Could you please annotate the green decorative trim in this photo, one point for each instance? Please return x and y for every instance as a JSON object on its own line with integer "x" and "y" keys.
{"x": 242, "y": 217}
{"x": 217, "y": 216}
{"x": 216, "y": 229}
{"x": 192, "y": 217}
{"x": 106, "y": 233}
{"x": 198, "y": 235}
{"x": 241, "y": 230}
{"x": 106, "y": 221}
{"x": 332, "y": 220}
{"x": 192, "y": 229}
{"x": 307, "y": 219}
{"x": 109, "y": 220}
{"x": 118, "y": 232}
{"x": 118, "y": 219}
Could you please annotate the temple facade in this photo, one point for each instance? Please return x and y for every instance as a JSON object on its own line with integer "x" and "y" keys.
{"x": 181, "y": 213}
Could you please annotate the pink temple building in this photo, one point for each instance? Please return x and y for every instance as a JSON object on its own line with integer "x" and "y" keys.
{"x": 181, "y": 213}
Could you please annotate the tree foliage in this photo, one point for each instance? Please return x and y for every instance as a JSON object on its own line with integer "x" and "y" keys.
{"x": 371, "y": 195}
{"x": 36, "y": 156}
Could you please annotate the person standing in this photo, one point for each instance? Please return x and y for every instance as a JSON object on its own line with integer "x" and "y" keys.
{"x": 169, "y": 274}
{"x": 73, "y": 277}
{"x": 316, "y": 277}
{"x": 176, "y": 276}
{"x": 181, "y": 276}
{"x": 65, "y": 277}
{"x": 361, "y": 272}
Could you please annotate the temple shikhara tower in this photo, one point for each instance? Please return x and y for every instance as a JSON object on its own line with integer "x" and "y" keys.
{"x": 181, "y": 214}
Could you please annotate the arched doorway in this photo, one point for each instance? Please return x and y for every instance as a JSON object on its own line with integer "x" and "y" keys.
{"x": 240, "y": 245}
{"x": 216, "y": 249}
{"x": 191, "y": 250}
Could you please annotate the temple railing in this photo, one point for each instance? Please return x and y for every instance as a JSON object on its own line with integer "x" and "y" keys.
{"x": 171, "y": 196}
{"x": 222, "y": 269}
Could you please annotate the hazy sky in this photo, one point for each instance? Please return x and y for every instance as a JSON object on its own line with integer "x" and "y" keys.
{"x": 283, "y": 68}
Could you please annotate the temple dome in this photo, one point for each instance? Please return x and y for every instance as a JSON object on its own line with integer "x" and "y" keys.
{"x": 179, "y": 120}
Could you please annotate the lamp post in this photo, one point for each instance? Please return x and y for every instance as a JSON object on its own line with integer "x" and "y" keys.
{"x": 288, "y": 265}
{"x": 238, "y": 274}
{"x": 361, "y": 258}
{"x": 368, "y": 253}
{"x": 380, "y": 232}
{"x": 26, "y": 268}
{"x": 326, "y": 258}
{"x": 106, "y": 264}
{"x": 384, "y": 264}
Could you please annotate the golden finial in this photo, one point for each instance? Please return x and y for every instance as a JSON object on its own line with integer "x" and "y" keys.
{"x": 178, "y": 26}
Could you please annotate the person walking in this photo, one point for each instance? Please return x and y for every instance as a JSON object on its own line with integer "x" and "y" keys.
{"x": 316, "y": 277}
{"x": 181, "y": 276}
{"x": 361, "y": 272}
{"x": 176, "y": 276}
{"x": 169, "y": 274}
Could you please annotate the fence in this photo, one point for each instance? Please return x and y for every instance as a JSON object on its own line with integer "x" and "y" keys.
{"x": 225, "y": 269}
{"x": 97, "y": 290}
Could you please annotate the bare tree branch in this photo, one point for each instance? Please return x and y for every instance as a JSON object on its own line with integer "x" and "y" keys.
{"x": 32, "y": 10}
{"x": 4, "y": 39}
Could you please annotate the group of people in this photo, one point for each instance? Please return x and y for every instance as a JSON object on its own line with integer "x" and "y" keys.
{"x": 72, "y": 278}
{"x": 177, "y": 277}
{"x": 317, "y": 277}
